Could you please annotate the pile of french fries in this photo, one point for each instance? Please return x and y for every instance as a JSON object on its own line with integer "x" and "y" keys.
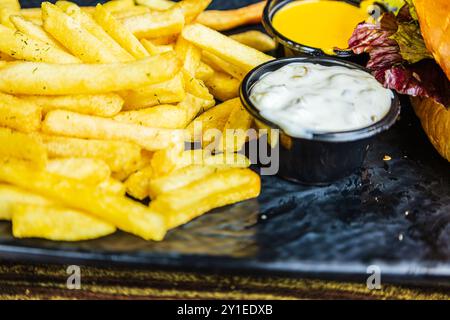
{"x": 97, "y": 104}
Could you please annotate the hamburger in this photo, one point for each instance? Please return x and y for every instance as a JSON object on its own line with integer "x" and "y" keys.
{"x": 409, "y": 51}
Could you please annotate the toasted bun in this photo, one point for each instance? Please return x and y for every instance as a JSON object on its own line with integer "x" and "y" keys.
{"x": 434, "y": 19}
{"x": 435, "y": 120}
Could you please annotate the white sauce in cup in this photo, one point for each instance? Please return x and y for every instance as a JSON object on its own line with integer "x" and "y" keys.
{"x": 306, "y": 98}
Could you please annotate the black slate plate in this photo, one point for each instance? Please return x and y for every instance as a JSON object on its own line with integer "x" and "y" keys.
{"x": 395, "y": 215}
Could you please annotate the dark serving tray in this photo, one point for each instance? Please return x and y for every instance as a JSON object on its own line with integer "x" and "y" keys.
{"x": 394, "y": 214}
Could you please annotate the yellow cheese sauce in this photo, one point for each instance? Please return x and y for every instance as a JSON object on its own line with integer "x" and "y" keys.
{"x": 322, "y": 24}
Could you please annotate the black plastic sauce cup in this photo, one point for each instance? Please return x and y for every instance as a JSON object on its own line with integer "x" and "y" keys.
{"x": 322, "y": 158}
{"x": 290, "y": 48}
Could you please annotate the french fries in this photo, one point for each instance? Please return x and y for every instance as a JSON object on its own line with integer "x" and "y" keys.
{"x": 77, "y": 125}
{"x": 159, "y": 5}
{"x": 228, "y": 19}
{"x": 125, "y": 214}
{"x": 119, "y": 33}
{"x": 90, "y": 171}
{"x": 255, "y": 39}
{"x": 22, "y": 146}
{"x": 57, "y": 223}
{"x": 20, "y": 46}
{"x": 104, "y": 108}
{"x": 221, "y": 188}
{"x": 161, "y": 116}
{"x": 57, "y": 79}
{"x": 155, "y": 24}
{"x": 103, "y": 105}
{"x": 223, "y": 86}
{"x": 19, "y": 114}
{"x": 228, "y": 49}
{"x": 171, "y": 91}
{"x": 11, "y": 195}
{"x": 117, "y": 154}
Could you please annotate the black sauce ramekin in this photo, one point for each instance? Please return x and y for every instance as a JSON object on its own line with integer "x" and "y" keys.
{"x": 322, "y": 158}
{"x": 290, "y": 48}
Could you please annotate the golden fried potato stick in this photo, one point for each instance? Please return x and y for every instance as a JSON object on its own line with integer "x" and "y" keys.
{"x": 57, "y": 223}
{"x": 193, "y": 106}
{"x": 211, "y": 122}
{"x": 19, "y": 46}
{"x": 255, "y": 39}
{"x": 189, "y": 55}
{"x": 155, "y": 24}
{"x": 204, "y": 71}
{"x": 10, "y": 195}
{"x": 171, "y": 91}
{"x": 119, "y": 33}
{"x": 88, "y": 170}
{"x": 125, "y": 214}
{"x": 223, "y": 86}
{"x": 88, "y": 23}
{"x": 217, "y": 190}
{"x": 221, "y": 65}
{"x": 154, "y": 49}
{"x": 22, "y": 146}
{"x": 235, "y": 132}
{"x": 158, "y": 5}
{"x": 19, "y": 114}
{"x": 229, "y": 19}
{"x": 117, "y": 154}
{"x": 77, "y": 125}
{"x": 192, "y": 8}
{"x": 137, "y": 184}
{"x": 35, "y": 78}
{"x": 103, "y": 105}
{"x": 73, "y": 36}
{"x": 34, "y": 31}
{"x": 162, "y": 116}
{"x": 197, "y": 87}
{"x": 224, "y": 47}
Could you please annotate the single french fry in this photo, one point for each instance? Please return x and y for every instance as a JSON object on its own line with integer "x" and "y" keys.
{"x": 193, "y": 106}
{"x": 125, "y": 214}
{"x": 137, "y": 184}
{"x": 119, "y": 33}
{"x": 88, "y": 23}
{"x": 223, "y": 86}
{"x": 34, "y": 31}
{"x": 177, "y": 179}
{"x": 154, "y": 49}
{"x": 103, "y": 105}
{"x": 171, "y": 91}
{"x": 113, "y": 186}
{"x": 19, "y": 114}
{"x": 116, "y": 154}
{"x": 22, "y": 146}
{"x": 229, "y": 19}
{"x": 155, "y": 24}
{"x": 224, "y": 47}
{"x": 73, "y": 36}
{"x": 235, "y": 132}
{"x": 158, "y": 5}
{"x": 212, "y": 122}
{"x": 88, "y": 170}
{"x": 73, "y": 124}
{"x": 217, "y": 190}
{"x": 189, "y": 55}
{"x": 221, "y": 65}
{"x": 255, "y": 39}
{"x": 192, "y": 8}
{"x": 57, "y": 223}
{"x": 10, "y": 195}
{"x": 20, "y": 46}
{"x": 55, "y": 79}
{"x": 204, "y": 71}
{"x": 196, "y": 87}
{"x": 162, "y": 116}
